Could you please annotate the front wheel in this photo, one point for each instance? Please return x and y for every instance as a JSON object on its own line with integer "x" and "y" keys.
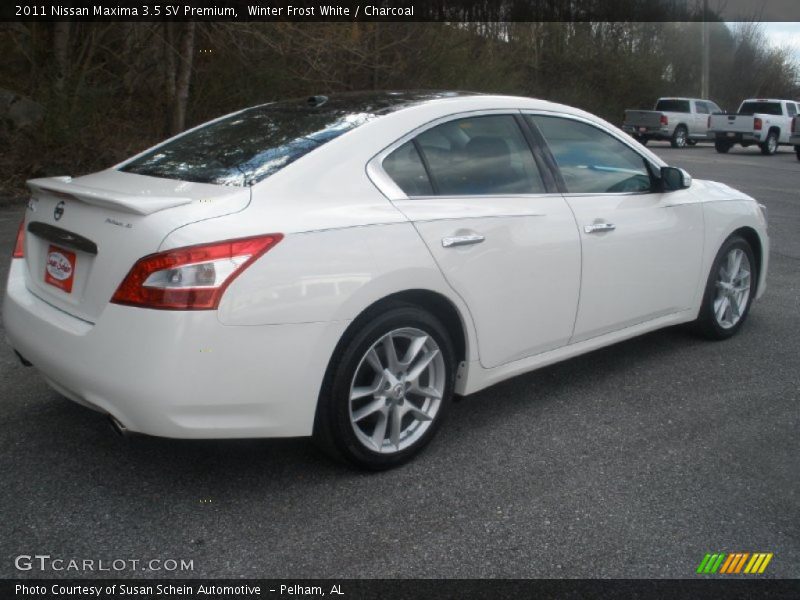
{"x": 679, "y": 137}
{"x": 770, "y": 145}
{"x": 387, "y": 390}
{"x": 729, "y": 290}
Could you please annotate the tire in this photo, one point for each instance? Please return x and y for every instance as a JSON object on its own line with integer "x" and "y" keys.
{"x": 358, "y": 403}
{"x": 722, "y": 147}
{"x": 727, "y": 300}
{"x": 642, "y": 140}
{"x": 679, "y": 137}
{"x": 770, "y": 145}
{"x": 691, "y": 142}
{"x": 797, "y": 152}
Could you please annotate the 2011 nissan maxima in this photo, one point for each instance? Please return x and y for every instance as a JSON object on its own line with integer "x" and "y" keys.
{"x": 341, "y": 266}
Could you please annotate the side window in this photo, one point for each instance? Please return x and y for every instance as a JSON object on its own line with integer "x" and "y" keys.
{"x": 714, "y": 109}
{"x": 591, "y": 160}
{"x": 405, "y": 168}
{"x": 702, "y": 107}
{"x": 480, "y": 155}
{"x": 792, "y": 108}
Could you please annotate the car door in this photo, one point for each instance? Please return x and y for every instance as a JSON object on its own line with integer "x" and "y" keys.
{"x": 502, "y": 235}
{"x": 700, "y": 119}
{"x": 641, "y": 249}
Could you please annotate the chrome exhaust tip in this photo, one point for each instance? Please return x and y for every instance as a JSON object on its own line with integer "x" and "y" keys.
{"x": 118, "y": 427}
{"x": 25, "y": 362}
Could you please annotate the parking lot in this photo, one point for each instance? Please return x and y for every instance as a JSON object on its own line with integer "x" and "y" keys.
{"x": 633, "y": 461}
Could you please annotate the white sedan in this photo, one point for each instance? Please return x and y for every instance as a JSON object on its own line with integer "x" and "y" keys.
{"x": 341, "y": 266}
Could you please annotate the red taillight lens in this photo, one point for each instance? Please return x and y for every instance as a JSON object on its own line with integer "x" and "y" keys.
{"x": 190, "y": 278}
{"x": 757, "y": 124}
{"x": 19, "y": 245}
{"x": 664, "y": 120}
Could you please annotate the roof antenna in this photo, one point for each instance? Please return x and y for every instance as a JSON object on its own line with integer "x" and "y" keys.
{"x": 317, "y": 100}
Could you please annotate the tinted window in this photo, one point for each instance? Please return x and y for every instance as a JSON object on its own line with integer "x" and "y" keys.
{"x": 792, "y": 108}
{"x": 246, "y": 147}
{"x": 713, "y": 108}
{"x": 702, "y": 107}
{"x": 405, "y": 167}
{"x": 590, "y": 160}
{"x": 480, "y": 155}
{"x": 681, "y": 106}
{"x": 764, "y": 108}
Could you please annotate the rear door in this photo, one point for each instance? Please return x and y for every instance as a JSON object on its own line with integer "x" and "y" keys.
{"x": 641, "y": 250}
{"x": 490, "y": 215}
{"x": 700, "y": 119}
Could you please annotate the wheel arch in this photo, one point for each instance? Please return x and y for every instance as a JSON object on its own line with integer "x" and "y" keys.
{"x": 751, "y": 236}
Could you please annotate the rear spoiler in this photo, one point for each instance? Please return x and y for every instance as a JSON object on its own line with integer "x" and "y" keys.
{"x": 63, "y": 187}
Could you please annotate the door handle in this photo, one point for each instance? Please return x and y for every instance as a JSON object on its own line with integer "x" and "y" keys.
{"x": 462, "y": 240}
{"x": 599, "y": 227}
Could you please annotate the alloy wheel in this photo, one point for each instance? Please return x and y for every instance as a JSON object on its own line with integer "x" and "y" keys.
{"x": 397, "y": 390}
{"x": 733, "y": 288}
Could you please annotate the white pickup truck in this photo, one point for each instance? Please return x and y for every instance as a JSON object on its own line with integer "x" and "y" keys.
{"x": 795, "y": 139}
{"x": 681, "y": 121}
{"x": 765, "y": 122}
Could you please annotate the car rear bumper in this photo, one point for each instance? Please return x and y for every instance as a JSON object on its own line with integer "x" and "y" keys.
{"x": 735, "y": 137}
{"x": 180, "y": 374}
{"x": 649, "y": 132}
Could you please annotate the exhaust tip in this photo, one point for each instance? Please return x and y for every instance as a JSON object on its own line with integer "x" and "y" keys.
{"x": 118, "y": 427}
{"x": 25, "y": 362}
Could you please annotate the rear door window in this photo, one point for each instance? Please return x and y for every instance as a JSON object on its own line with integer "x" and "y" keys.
{"x": 479, "y": 156}
{"x": 792, "y": 108}
{"x": 405, "y": 167}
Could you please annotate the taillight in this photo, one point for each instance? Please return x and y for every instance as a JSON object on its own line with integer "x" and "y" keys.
{"x": 193, "y": 277}
{"x": 19, "y": 245}
{"x": 664, "y": 120}
{"x": 757, "y": 124}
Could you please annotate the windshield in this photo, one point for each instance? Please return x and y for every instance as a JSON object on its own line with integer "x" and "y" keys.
{"x": 764, "y": 108}
{"x": 246, "y": 147}
{"x": 681, "y": 106}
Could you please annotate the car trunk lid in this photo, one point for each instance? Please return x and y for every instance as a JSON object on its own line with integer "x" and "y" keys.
{"x": 83, "y": 235}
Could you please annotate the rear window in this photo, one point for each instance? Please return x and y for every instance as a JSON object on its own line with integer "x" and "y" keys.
{"x": 680, "y": 106}
{"x": 248, "y": 146}
{"x": 764, "y": 108}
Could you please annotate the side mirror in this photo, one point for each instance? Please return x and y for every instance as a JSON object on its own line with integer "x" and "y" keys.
{"x": 673, "y": 178}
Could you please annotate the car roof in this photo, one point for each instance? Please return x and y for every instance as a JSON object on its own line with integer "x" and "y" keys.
{"x": 374, "y": 102}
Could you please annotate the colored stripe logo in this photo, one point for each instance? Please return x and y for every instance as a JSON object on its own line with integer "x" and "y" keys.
{"x": 735, "y": 563}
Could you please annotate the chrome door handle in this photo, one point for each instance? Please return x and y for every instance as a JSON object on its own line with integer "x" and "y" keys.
{"x": 462, "y": 240}
{"x": 599, "y": 227}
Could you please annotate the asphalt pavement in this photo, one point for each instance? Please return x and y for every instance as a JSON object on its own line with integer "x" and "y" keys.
{"x": 632, "y": 461}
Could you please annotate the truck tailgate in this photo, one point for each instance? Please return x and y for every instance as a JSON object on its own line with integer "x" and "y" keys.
{"x": 732, "y": 123}
{"x": 643, "y": 118}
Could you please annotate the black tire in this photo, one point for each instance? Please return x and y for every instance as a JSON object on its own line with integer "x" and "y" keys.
{"x": 679, "y": 137}
{"x": 797, "y": 152}
{"x": 691, "y": 142}
{"x": 770, "y": 145}
{"x": 642, "y": 140}
{"x": 333, "y": 430}
{"x": 722, "y": 146}
{"x": 707, "y": 323}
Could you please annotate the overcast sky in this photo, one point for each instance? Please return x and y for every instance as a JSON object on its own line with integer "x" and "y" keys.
{"x": 784, "y": 34}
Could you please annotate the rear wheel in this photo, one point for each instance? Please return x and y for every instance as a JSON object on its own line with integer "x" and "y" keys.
{"x": 729, "y": 290}
{"x": 679, "y": 137}
{"x": 722, "y": 146}
{"x": 770, "y": 145}
{"x": 642, "y": 139}
{"x": 797, "y": 152}
{"x": 389, "y": 390}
